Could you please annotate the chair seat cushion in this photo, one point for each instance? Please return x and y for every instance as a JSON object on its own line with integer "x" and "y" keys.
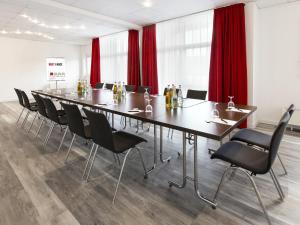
{"x": 124, "y": 141}
{"x": 243, "y": 156}
{"x": 253, "y": 137}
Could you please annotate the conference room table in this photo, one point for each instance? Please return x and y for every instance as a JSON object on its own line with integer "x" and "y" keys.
{"x": 194, "y": 118}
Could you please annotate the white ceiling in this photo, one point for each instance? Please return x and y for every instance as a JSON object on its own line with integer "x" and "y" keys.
{"x": 98, "y": 17}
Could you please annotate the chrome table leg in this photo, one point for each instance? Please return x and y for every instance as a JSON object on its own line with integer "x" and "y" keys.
{"x": 161, "y": 147}
{"x": 184, "y": 177}
{"x": 199, "y": 195}
{"x": 155, "y": 152}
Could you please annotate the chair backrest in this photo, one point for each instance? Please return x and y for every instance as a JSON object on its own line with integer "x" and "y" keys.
{"x": 291, "y": 109}
{"x": 142, "y": 89}
{"x": 99, "y": 85}
{"x": 25, "y": 99}
{"x": 109, "y": 86}
{"x": 101, "y": 130}
{"x": 196, "y": 94}
{"x": 75, "y": 121}
{"x": 276, "y": 139}
{"x": 41, "y": 105}
{"x": 51, "y": 110}
{"x": 19, "y": 96}
{"x": 130, "y": 88}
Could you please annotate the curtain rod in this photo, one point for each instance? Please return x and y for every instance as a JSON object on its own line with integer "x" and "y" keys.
{"x": 178, "y": 17}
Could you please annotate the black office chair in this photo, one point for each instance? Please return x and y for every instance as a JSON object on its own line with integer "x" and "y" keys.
{"x": 41, "y": 111}
{"x": 259, "y": 139}
{"x": 251, "y": 161}
{"x": 117, "y": 142}
{"x": 196, "y": 94}
{"x": 76, "y": 126}
{"x": 57, "y": 117}
{"x": 99, "y": 85}
{"x": 31, "y": 107}
{"x": 20, "y": 102}
{"x": 109, "y": 86}
{"x": 142, "y": 89}
{"x": 130, "y": 88}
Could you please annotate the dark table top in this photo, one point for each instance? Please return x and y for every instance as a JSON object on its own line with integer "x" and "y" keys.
{"x": 192, "y": 117}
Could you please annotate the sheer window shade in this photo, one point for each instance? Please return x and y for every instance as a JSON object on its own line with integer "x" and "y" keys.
{"x": 114, "y": 54}
{"x": 183, "y": 51}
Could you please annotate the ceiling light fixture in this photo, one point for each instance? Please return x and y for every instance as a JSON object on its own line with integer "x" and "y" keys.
{"x": 56, "y": 27}
{"x": 28, "y": 32}
{"x": 147, "y": 3}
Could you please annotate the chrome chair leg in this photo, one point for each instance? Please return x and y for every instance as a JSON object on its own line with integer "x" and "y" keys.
{"x": 70, "y": 147}
{"x": 254, "y": 186}
{"x": 49, "y": 134}
{"x": 221, "y": 184}
{"x": 87, "y": 161}
{"x": 277, "y": 185}
{"x": 38, "y": 131}
{"x": 120, "y": 176}
{"x": 62, "y": 140}
{"x": 280, "y": 160}
{"x": 259, "y": 197}
{"x": 92, "y": 164}
{"x": 32, "y": 122}
{"x": 25, "y": 119}
{"x": 143, "y": 162}
{"x": 20, "y": 115}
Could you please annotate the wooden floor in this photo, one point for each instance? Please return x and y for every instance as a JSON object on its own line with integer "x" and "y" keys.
{"x": 36, "y": 187}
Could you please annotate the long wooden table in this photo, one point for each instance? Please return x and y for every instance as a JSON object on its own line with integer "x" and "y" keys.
{"x": 192, "y": 118}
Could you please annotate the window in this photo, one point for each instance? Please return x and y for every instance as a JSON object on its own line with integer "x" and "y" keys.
{"x": 88, "y": 65}
{"x": 183, "y": 51}
{"x": 113, "y": 59}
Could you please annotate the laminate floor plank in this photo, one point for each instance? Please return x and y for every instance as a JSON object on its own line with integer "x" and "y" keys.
{"x": 41, "y": 189}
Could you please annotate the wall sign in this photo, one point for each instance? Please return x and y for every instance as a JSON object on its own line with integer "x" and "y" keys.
{"x": 56, "y": 70}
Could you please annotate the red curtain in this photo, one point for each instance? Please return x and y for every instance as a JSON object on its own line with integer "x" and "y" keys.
{"x": 133, "y": 67}
{"x": 228, "y": 68}
{"x": 149, "y": 62}
{"x": 95, "y": 63}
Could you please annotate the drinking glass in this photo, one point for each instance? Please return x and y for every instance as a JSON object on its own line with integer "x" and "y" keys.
{"x": 148, "y": 106}
{"x": 146, "y": 94}
{"x": 230, "y": 103}
{"x": 215, "y": 112}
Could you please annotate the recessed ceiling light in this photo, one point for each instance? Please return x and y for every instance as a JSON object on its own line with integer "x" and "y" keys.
{"x": 67, "y": 26}
{"x": 24, "y": 15}
{"x": 55, "y": 27}
{"x": 18, "y": 32}
{"x": 3, "y": 32}
{"x": 147, "y": 3}
{"x": 82, "y": 27}
{"x": 42, "y": 24}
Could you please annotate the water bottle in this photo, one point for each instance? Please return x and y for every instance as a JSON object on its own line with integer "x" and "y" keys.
{"x": 180, "y": 97}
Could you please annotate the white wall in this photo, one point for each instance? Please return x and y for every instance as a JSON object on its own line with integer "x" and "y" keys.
{"x": 252, "y": 24}
{"x": 277, "y": 79}
{"x": 23, "y": 65}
